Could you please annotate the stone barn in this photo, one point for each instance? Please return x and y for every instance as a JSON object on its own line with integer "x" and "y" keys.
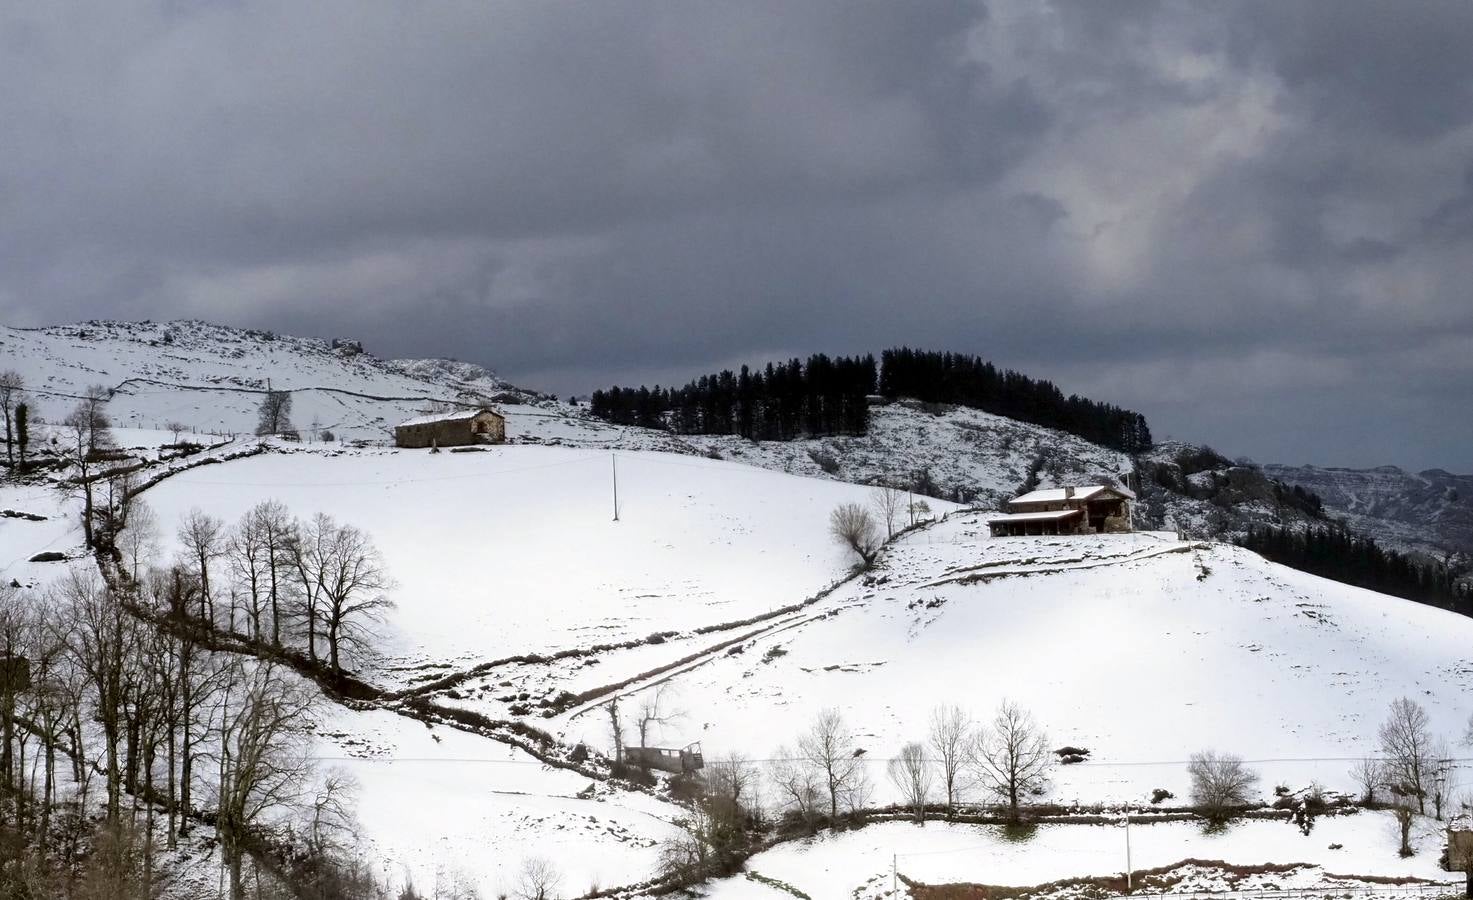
{"x": 1091, "y": 509}
{"x": 1460, "y": 848}
{"x": 452, "y": 429}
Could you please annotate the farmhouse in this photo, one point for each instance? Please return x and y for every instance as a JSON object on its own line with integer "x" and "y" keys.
{"x": 1067, "y": 510}
{"x": 452, "y": 429}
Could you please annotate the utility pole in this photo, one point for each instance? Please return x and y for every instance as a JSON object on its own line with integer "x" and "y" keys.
{"x": 1128, "y": 886}
{"x": 894, "y": 875}
{"x": 614, "y": 463}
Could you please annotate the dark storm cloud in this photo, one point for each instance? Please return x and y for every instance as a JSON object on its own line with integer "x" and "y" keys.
{"x": 1249, "y": 220}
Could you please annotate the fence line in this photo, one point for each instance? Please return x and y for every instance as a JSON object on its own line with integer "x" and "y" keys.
{"x": 1434, "y": 889}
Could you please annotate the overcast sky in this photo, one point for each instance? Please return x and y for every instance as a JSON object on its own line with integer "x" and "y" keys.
{"x": 1251, "y": 221}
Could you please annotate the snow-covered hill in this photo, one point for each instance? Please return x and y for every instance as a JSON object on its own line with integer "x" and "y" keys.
{"x": 519, "y": 598}
{"x": 212, "y": 378}
{"x": 1142, "y": 648}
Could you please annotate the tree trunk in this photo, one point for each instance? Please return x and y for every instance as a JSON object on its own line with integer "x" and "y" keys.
{"x": 186, "y": 775}
{"x": 275, "y": 610}
{"x": 114, "y": 776}
{"x": 237, "y": 886}
{"x": 86, "y": 509}
{"x": 172, "y": 808}
{"x": 49, "y": 789}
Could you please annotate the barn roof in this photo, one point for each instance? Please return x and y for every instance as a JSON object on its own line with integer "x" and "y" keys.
{"x": 459, "y": 415}
{"x": 1034, "y": 516}
{"x": 1056, "y": 495}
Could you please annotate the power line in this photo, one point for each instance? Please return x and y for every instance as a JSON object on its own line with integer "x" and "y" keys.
{"x": 872, "y": 759}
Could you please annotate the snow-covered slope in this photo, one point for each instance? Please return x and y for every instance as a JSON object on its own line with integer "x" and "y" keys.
{"x": 515, "y": 550}
{"x": 1141, "y": 648}
{"x": 212, "y": 378}
{"x": 519, "y": 598}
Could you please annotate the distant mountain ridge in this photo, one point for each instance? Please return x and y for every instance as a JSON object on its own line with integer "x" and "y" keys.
{"x": 1429, "y": 511}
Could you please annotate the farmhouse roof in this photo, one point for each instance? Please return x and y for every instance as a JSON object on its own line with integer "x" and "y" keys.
{"x": 1050, "y": 516}
{"x": 459, "y": 415}
{"x": 1057, "y": 495}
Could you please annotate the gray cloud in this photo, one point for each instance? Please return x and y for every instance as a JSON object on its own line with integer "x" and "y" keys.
{"x": 1251, "y": 221}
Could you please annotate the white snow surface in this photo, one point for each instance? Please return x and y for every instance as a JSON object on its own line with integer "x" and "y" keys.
{"x": 1138, "y": 647}
{"x": 515, "y": 550}
{"x": 859, "y": 863}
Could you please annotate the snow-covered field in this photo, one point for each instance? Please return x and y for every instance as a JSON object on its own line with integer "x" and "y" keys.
{"x": 1138, "y": 647}
{"x": 859, "y": 863}
{"x": 440, "y": 805}
{"x": 516, "y": 550}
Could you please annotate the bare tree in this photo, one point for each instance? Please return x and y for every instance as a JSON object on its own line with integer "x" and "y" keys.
{"x": 276, "y": 533}
{"x": 829, "y": 750}
{"x": 1370, "y": 776}
{"x": 344, "y": 586}
{"x": 887, "y": 502}
{"x": 1406, "y": 744}
{"x": 82, "y": 440}
{"x": 250, "y": 565}
{"x": 1011, "y": 758}
{"x": 203, "y": 539}
{"x": 176, "y": 429}
{"x": 330, "y": 821}
{"x": 715, "y": 834}
{"x": 538, "y": 880}
{"x": 616, "y": 729}
{"x": 851, "y": 525}
{"x": 655, "y": 710}
{"x": 11, "y": 386}
{"x": 951, "y": 732}
{"x": 139, "y": 541}
{"x": 93, "y": 408}
{"x": 1404, "y": 815}
{"x": 1221, "y": 784}
{"x": 797, "y": 787}
{"x": 731, "y": 788}
{"x": 99, "y": 639}
{"x": 263, "y": 762}
{"x": 910, "y": 772}
{"x": 274, "y": 414}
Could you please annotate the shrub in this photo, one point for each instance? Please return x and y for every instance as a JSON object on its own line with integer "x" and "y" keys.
{"x": 1221, "y": 784}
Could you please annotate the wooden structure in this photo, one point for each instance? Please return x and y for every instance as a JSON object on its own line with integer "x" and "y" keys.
{"x": 667, "y": 759}
{"x": 1091, "y": 509}
{"x": 452, "y": 429}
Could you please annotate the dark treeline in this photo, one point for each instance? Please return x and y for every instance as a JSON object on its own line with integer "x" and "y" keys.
{"x": 972, "y": 381}
{"x": 1342, "y": 556}
{"x": 829, "y": 396}
{"x": 787, "y": 400}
